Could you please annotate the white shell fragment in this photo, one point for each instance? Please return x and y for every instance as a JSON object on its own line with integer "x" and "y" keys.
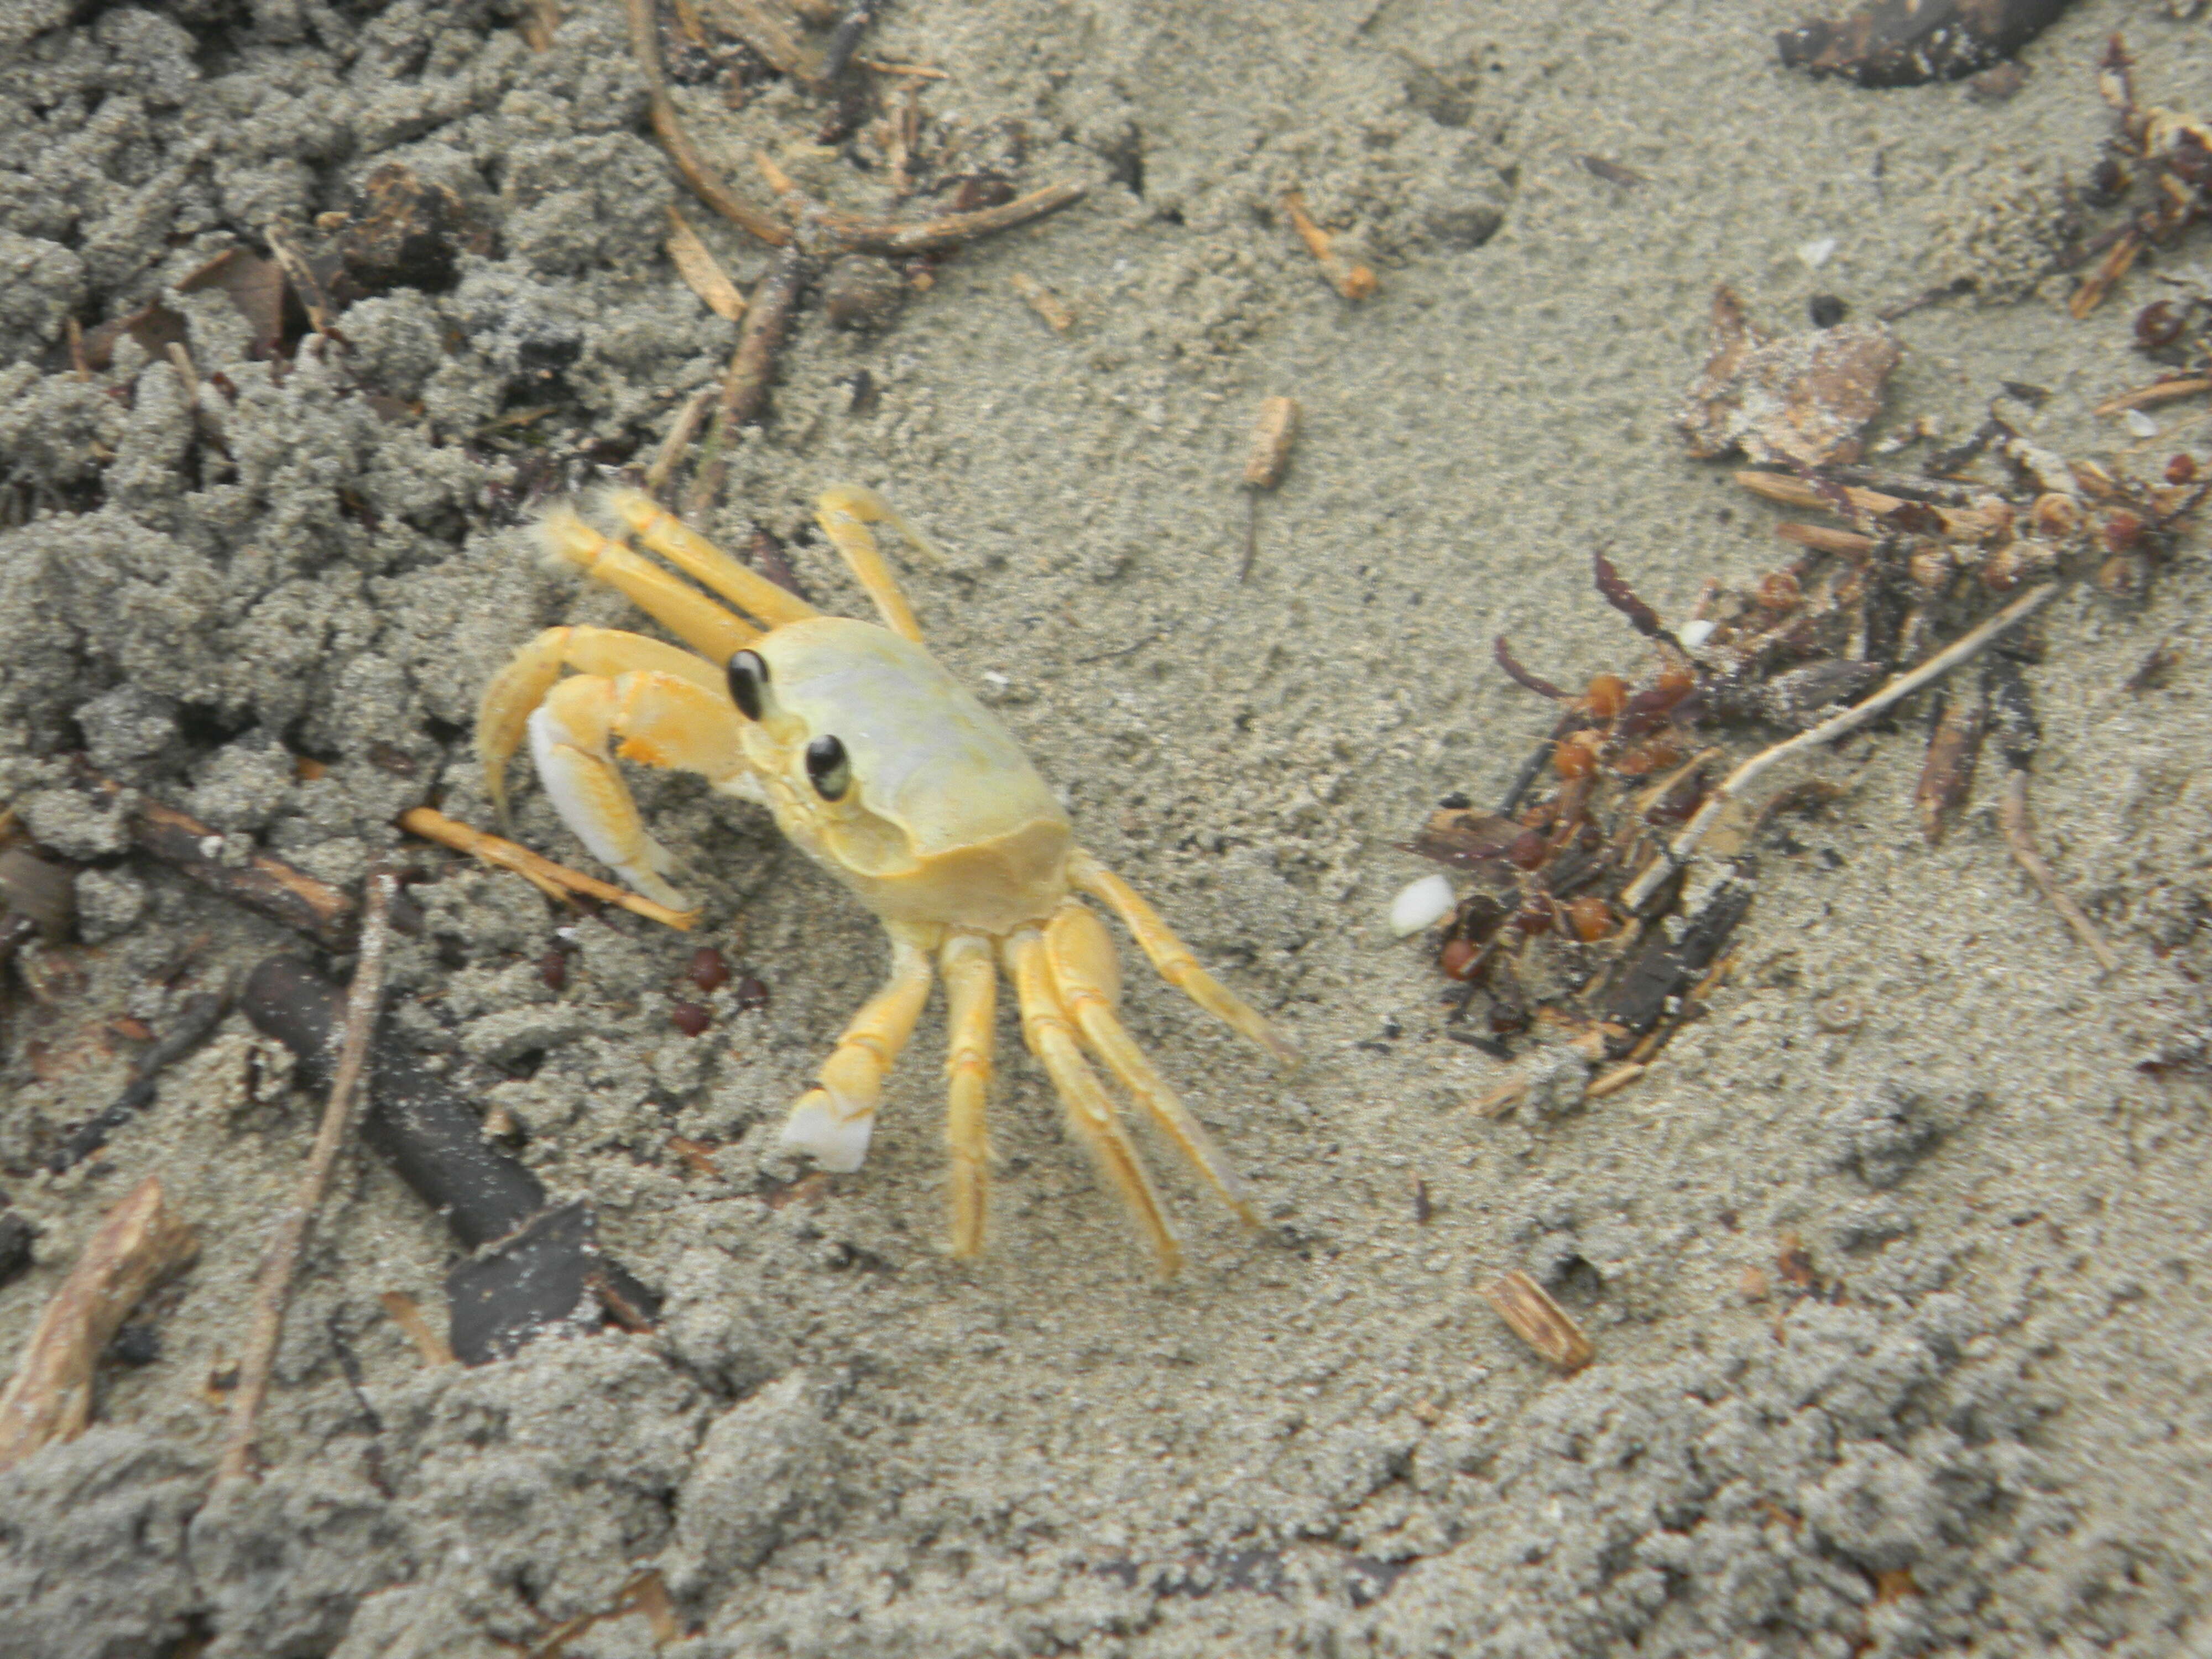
{"x": 2139, "y": 423}
{"x": 1694, "y": 634}
{"x": 1818, "y": 253}
{"x": 1421, "y": 905}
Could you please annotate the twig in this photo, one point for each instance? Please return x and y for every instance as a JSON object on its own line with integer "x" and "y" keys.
{"x": 1963, "y": 649}
{"x": 50, "y": 1396}
{"x": 548, "y": 877}
{"x": 196, "y": 1023}
{"x": 744, "y": 388}
{"x": 680, "y": 434}
{"x": 1353, "y": 282}
{"x": 645, "y": 46}
{"x": 894, "y": 240}
{"x": 2149, "y": 396}
{"x": 2020, "y": 835}
{"x": 263, "y": 883}
{"x": 295, "y": 1222}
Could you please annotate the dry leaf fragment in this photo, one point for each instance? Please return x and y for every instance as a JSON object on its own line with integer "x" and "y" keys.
{"x": 1538, "y": 1320}
{"x": 1801, "y": 401}
{"x": 701, "y": 271}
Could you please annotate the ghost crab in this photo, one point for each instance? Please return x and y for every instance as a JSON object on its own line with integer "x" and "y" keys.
{"x": 887, "y": 772}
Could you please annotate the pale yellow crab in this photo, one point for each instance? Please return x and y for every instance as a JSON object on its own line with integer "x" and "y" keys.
{"x": 888, "y": 774}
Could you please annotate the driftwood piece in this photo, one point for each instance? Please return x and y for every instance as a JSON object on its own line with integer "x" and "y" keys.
{"x": 49, "y": 1397}
{"x": 1905, "y": 43}
{"x": 528, "y": 1256}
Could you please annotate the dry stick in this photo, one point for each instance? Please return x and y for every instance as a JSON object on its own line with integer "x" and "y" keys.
{"x": 894, "y": 241}
{"x": 1962, "y": 649}
{"x": 2149, "y": 396}
{"x": 556, "y": 880}
{"x": 678, "y": 440}
{"x": 294, "y": 1221}
{"x": 645, "y": 46}
{"x": 768, "y": 315}
{"x": 2019, "y": 835}
{"x": 49, "y": 1397}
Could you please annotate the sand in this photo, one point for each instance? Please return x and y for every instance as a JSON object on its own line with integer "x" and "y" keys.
{"x": 1989, "y": 1434}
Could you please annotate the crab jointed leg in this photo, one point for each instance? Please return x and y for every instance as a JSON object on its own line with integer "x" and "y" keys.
{"x": 1090, "y": 1111}
{"x": 834, "y": 1120}
{"x": 1088, "y": 978}
{"x": 971, "y": 994}
{"x": 1172, "y": 956}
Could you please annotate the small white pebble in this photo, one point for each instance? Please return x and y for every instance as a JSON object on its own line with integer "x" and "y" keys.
{"x": 1694, "y": 634}
{"x": 1421, "y": 905}
{"x": 1815, "y": 254}
{"x": 995, "y": 680}
{"x": 2139, "y": 423}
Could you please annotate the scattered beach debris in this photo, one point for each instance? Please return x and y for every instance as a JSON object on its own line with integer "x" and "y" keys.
{"x": 1799, "y": 401}
{"x": 811, "y": 238}
{"x": 1537, "y": 1320}
{"x": 1348, "y": 278}
{"x": 1266, "y": 460}
{"x": 1597, "y": 911}
{"x": 1908, "y": 43}
{"x": 534, "y": 1265}
{"x": 49, "y": 1397}
{"x": 2158, "y": 165}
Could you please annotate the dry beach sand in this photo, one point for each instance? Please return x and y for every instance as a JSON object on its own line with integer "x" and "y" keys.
{"x": 1996, "y": 1438}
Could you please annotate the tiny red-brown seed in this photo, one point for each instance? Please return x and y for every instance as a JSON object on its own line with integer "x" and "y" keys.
{"x": 1589, "y": 917}
{"x": 553, "y": 968}
{"x": 690, "y": 1018}
{"x": 710, "y": 969}
{"x": 752, "y": 994}
{"x": 2181, "y": 470}
{"x": 1457, "y": 958}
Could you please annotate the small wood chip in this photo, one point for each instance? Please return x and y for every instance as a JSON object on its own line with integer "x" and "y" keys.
{"x": 1540, "y": 1321}
{"x": 1043, "y": 301}
{"x": 701, "y": 271}
{"x": 1272, "y": 435}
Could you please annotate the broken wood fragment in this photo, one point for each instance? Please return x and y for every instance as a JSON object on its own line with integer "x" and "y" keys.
{"x": 1354, "y": 281}
{"x": 1537, "y": 1320}
{"x": 50, "y": 1396}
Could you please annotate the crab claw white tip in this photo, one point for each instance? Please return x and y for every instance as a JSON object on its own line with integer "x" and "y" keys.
{"x": 836, "y": 1143}
{"x": 1421, "y": 904}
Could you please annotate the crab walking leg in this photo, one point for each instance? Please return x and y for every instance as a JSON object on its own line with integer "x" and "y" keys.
{"x": 834, "y": 1120}
{"x": 504, "y": 710}
{"x": 704, "y": 562}
{"x": 845, "y": 514}
{"x": 686, "y": 612}
{"x": 1087, "y": 976}
{"x": 1089, "y": 1113}
{"x": 971, "y": 991}
{"x": 1173, "y": 958}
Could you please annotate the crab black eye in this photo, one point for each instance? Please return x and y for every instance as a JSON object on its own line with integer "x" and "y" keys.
{"x": 749, "y": 683}
{"x": 828, "y": 766}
